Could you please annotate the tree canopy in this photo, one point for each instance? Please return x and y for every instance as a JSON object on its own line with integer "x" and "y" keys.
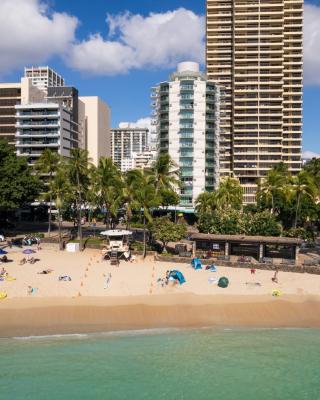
{"x": 18, "y": 185}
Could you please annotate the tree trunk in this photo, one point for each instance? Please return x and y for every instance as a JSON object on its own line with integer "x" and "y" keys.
{"x": 297, "y": 210}
{"x": 79, "y": 213}
{"x": 60, "y": 236}
{"x": 50, "y": 206}
{"x": 144, "y": 238}
{"x": 49, "y": 217}
{"x": 272, "y": 204}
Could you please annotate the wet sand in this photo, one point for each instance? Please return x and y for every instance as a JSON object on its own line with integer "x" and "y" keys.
{"x": 35, "y": 316}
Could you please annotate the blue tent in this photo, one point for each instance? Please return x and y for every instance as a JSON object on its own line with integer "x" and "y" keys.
{"x": 177, "y": 275}
{"x": 196, "y": 263}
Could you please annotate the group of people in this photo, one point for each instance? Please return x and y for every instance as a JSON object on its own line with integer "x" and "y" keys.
{"x": 31, "y": 260}
{"x": 30, "y": 240}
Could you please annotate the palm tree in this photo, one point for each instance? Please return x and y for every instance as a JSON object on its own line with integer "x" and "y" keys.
{"x": 206, "y": 202}
{"x": 128, "y": 193}
{"x": 229, "y": 193}
{"x": 272, "y": 186}
{"x": 59, "y": 190}
{"x": 166, "y": 173}
{"x": 302, "y": 186}
{"x": 108, "y": 186}
{"x": 78, "y": 167}
{"x": 48, "y": 163}
{"x": 146, "y": 198}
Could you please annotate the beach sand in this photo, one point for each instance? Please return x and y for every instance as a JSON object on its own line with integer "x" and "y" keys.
{"x": 133, "y": 299}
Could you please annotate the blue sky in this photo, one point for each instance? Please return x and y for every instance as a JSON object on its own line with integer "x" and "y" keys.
{"x": 96, "y": 55}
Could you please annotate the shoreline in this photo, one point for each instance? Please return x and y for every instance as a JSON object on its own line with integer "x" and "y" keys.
{"x": 60, "y": 315}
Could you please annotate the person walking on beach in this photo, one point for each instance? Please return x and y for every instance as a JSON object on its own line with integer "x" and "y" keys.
{"x": 275, "y": 277}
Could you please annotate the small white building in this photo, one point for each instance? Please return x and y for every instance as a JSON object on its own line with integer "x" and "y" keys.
{"x": 186, "y": 116}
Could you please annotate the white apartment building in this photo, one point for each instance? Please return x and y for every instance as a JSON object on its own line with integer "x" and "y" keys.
{"x": 125, "y": 142}
{"x": 44, "y": 125}
{"x": 187, "y": 122}
{"x": 43, "y": 77}
{"x": 94, "y": 118}
{"x": 254, "y": 51}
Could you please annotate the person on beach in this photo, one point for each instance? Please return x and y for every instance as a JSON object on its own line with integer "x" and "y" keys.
{"x": 167, "y": 277}
{"x": 275, "y": 277}
{"x": 253, "y": 271}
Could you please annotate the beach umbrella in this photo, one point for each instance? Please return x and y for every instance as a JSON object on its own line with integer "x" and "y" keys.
{"x": 223, "y": 282}
{"x": 28, "y": 251}
{"x": 3, "y": 251}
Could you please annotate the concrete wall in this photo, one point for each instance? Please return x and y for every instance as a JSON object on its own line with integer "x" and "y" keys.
{"x": 31, "y": 94}
{"x": 97, "y": 116}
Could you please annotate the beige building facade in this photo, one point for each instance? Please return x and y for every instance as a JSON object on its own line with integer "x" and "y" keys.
{"x": 94, "y": 117}
{"x": 254, "y": 50}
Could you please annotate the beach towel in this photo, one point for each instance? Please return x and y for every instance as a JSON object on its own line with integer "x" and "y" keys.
{"x": 212, "y": 279}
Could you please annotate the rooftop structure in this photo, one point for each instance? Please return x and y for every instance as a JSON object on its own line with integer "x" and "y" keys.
{"x": 43, "y": 77}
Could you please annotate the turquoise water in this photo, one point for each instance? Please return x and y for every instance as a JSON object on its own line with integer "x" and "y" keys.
{"x": 194, "y": 364}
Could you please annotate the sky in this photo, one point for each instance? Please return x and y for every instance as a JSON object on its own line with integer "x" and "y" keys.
{"x": 119, "y": 49}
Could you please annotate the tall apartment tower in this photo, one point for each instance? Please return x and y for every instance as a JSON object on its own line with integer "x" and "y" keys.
{"x": 254, "y": 51}
{"x": 94, "y": 118}
{"x": 125, "y": 142}
{"x": 187, "y": 122}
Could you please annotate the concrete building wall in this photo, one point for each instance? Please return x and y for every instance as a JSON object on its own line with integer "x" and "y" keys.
{"x": 97, "y": 121}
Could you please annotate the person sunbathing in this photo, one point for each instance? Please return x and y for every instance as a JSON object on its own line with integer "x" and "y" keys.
{"x": 45, "y": 271}
{"x": 64, "y": 278}
{"x": 3, "y": 272}
{"x": 23, "y": 261}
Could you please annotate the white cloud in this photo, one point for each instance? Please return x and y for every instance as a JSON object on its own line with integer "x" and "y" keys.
{"x": 140, "y": 123}
{"x": 311, "y": 44}
{"x": 30, "y": 34}
{"x": 134, "y": 41}
{"x": 309, "y": 154}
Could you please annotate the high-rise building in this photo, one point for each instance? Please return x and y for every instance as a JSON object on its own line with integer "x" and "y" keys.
{"x": 187, "y": 122}
{"x": 254, "y": 51}
{"x": 94, "y": 118}
{"x": 41, "y": 126}
{"x": 10, "y": 96}
{"x": 43, "y": 77}
{"x": 125, "y": 142}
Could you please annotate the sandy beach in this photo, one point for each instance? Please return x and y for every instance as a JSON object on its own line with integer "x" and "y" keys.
{"x": 134, "y": 299}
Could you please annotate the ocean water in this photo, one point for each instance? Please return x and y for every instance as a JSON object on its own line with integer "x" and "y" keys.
{"x": 170, "y": 364}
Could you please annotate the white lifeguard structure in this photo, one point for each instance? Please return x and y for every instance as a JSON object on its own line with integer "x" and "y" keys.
{"x": 117, "y": 243}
